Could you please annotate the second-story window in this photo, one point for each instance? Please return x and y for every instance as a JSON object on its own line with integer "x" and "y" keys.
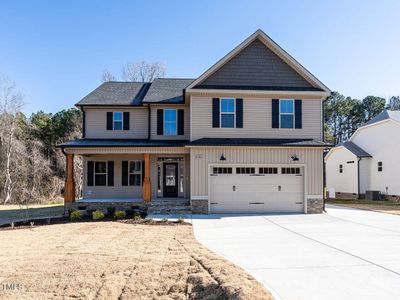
{"x": 227, "y": 113}
{"x": 286, "y": 113}
{"x": 170, "y": 122}
{"x": 117, "y": 120}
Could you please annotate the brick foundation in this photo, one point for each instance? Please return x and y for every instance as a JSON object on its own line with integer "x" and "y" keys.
{"x": 315, "y": 206}
{"x": 199, "y": 206}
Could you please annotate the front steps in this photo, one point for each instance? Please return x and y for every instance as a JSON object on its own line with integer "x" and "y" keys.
{"x": 167, "y": 206}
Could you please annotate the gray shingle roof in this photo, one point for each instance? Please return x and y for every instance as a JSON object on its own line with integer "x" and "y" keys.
{"x": 353, "y": 148}
{"x": 258, "y": 142}
{"x": 167, "y": 90}
{"x": 116, "y": 93}
{"x": 386, "y": 114}
{"x": 88, "y": 143}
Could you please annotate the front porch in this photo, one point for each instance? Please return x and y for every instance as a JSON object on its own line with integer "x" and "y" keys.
{"x": 127, "y": 178}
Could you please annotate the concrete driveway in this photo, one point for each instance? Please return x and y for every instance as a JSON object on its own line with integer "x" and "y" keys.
{"x": 344, "y": 254}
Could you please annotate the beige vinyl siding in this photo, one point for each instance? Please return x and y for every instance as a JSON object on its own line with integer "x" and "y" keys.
{"x": 201, "y": 158}
{"x": 257, "y": 120}
{"x": 186, "y": 129}
{"x": 96, "y": 123}
{"x": 116, "y": 191}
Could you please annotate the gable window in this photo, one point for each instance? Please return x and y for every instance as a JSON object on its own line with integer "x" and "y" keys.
{"x": 170, "y": 121}
{"x": 380, "y": 166}
{"x": 135, "y": 173}
{"x": 117, "y": 120}
{"x": 286, "y": 113}
{"x": 227, "y": 113}
{"x": 340, "y": 168}
{"x": 100, "y": 173}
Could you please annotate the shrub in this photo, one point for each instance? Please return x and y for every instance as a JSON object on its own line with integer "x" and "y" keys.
{"x": 110, "y": 211}
{"x": 137, "y": 217}
{"x": 75, "y": 215}
{"x": 98, "y": 215}
{"x": 119, "y": 214}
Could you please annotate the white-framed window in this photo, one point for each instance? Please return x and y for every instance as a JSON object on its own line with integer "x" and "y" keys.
{"x": 118, "y": 117}
{"x": 170, "y": 122}
{"x": 286, "y": 113}
{"x": 227, "y": 113}
{"x": 135, "y": 172}
{"x": 340, "y": 168}
{"x": 100, "y": 173}
{"x": 380, "y": 166}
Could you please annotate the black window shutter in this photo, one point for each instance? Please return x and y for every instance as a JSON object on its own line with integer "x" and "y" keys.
{"x": 110, "y": 173}
{"x": 215, "y": 112}
{"x": 275, "y": 113}
{"x": 160, "y": 121}
{"x": 181, "y": 118}
{"x": 239, "y": 113}
{"x": 142, "y": 171}
{"x": 90, "y": 173}
{"x": 124, "y": 173}
{"x": 109, "y": 120}
{"x": 126, "y": 120}
{"x": 298, "y": 113}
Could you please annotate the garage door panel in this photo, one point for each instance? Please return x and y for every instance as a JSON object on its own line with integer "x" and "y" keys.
{"x": 244, "y": 193}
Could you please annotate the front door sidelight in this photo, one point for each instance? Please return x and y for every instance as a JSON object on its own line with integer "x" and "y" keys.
{"x": 170, "y": 180}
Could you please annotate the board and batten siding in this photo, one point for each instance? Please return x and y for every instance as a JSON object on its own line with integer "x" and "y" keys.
{"x": 186, "y": 122}
{"x": 96, "y": 123}
{"x": 257, "y": 120}
{"x": 201, "y": 158}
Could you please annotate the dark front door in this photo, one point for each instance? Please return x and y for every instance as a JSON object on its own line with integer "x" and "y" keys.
{"x": 170, "y": 180}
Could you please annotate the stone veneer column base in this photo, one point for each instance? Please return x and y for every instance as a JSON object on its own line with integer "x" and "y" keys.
{"x": 199, "y": 207}
{"x": 315, "y": 206}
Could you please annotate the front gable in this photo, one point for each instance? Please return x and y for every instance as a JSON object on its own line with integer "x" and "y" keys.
{"x": 258, "y": 63}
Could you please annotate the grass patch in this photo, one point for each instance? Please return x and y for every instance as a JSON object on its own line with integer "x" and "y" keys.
{"x": 389, "y": 207}
{"x": 15, "y": 213}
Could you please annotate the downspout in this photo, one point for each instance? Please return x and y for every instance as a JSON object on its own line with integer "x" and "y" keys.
{"x": 148, "y": 122}
{"x": 358, "y": 177}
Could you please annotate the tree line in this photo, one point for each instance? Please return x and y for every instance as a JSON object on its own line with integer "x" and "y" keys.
{"x": 344, "y": 115}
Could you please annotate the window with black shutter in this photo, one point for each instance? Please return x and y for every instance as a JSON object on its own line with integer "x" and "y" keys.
{"x": 160, "y": 122}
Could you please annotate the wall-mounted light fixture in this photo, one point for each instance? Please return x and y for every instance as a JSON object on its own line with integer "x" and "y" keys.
{"x": 222, "y": 157}
{"x": 294, "y": 157}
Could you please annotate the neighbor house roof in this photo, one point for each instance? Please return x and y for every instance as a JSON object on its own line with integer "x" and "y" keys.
{"x": 82, "y": 143}
{"x": 258, "y": 142}
{"x": 353, "y": 148}
{"x": 117, "y": 93}
{"x": 386, "y": 114}
{"x": 167, "y": 90}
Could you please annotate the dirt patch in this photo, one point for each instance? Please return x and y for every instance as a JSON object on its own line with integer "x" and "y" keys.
{"x": 117, "y": 260}
{"x": 378, "y": 206}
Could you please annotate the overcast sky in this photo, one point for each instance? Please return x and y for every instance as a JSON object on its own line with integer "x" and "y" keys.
{"x": 56, "y": 50}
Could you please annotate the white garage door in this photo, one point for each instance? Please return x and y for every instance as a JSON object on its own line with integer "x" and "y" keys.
{"x": 248, "y": 189}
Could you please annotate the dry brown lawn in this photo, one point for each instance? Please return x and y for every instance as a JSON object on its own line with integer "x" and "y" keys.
{"x": 388, "y": 207}
{"x": 115, "y": 260}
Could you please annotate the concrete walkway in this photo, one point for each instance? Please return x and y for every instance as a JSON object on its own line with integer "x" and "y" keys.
{"x": 344, "y": 254}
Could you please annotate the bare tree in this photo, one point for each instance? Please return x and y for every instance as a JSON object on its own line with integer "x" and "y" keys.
{"x": 143, "y": 71}
{"x": 11, "y": 103}
{"x": 107, "y": 76}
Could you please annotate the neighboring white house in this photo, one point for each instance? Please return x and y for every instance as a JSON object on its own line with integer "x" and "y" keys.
{"x": 369, "y": 161}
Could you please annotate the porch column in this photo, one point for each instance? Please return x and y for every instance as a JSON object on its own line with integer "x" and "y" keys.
{"x": 146, "y": 180}
{"x": 69, "y": 191}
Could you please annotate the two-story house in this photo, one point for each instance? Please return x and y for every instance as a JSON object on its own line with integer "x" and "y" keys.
{"x": 244, "y": 137}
